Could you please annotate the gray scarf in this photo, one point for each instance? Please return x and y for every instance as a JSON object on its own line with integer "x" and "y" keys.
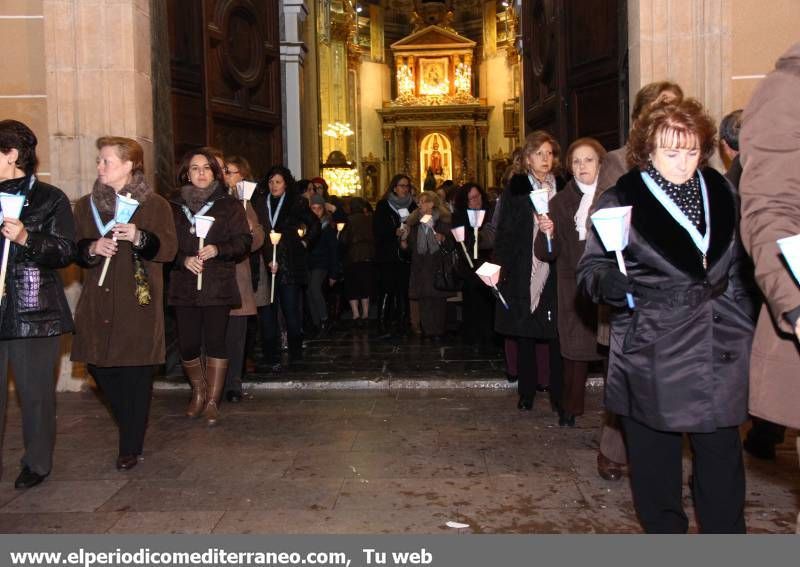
{"x": 399, "y": 202}
{"x": 195, "y": 197}
{"x": 426, "y": 236}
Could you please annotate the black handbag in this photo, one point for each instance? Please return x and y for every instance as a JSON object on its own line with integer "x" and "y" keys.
{"x": 448, "y": 274}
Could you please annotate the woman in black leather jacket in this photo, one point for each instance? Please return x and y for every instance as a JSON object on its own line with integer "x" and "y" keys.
{"x": 34, "y": 310}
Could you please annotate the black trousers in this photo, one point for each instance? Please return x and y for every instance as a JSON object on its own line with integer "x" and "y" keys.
{"x": 655, "y": 461}
{"x": 128, "y": 391}
{"x": 202, "y": 330}
{"x": 34, "y": 362}
{"x": 478, "y": 306}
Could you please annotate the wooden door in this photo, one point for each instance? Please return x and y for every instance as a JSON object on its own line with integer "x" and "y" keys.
{"x": 226, "y": 78}
{"x": 575, "y": 69}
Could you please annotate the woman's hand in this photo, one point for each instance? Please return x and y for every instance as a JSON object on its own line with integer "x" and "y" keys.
{"x": 193, "y": 264}
{"x": 127, "y": 232}
{"x": 402, "y": 231}
{"x": 331, "y": 282}
{"x": 273, "y": 267}
{"x": 14, "y": 230}
{"x": 545, "y": 224}
{"x": 439, "y": 237}
{"x": 105, "y": 247}
{"x": 207, "y": 252}
{"x": 330, "y": 207}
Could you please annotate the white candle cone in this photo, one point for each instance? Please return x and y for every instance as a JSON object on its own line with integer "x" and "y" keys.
{"x": 301, "y": 232}
{"x": 12, "y": 208}
{"x": 245, "y": 190}
{"x": 202, "y": 224}
{"x": 339, "y": 228}
{"x": 541, "y": 202}
{"x": 403, "y": 214}
{"x": 458, "y": 234}
{"x": 123, "y": 213}
{"x": 475, "y": 221}
{"x": 490, "y": 274}
{"x": 425, "y": 219}
{"x": 790, "y": 248}
{"x": 613, "y": 225}
{"x": 274, "y": 238}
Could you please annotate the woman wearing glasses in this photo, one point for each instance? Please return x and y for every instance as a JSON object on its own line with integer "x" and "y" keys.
{"x": 577, "y": 315}
{"x": 394, "y": 264}
{"x": 248, "y": 272}
{"x": 202, "y": 315}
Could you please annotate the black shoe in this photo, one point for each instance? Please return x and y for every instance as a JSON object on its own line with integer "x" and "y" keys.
{"x": 542, "y": 388}
{"x": 126, "y": 462}
{"x": 525, "y": 403}
{"x": 233, "y": 397}
{"x": 566, "y": 419}
{"x": 28, "y": 479}
{"x": 511, "y": 378}
{"x": 765, "y": 451}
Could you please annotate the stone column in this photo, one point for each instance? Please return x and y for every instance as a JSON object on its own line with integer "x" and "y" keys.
{"x": 293, "y": 51}
{"x": 98, "y": 82}
{"x": 686, "y": 41}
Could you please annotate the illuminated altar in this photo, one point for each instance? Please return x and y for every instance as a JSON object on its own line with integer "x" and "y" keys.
{"x": 435, "y": 123}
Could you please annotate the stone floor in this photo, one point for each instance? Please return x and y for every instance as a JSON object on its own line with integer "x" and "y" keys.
{"x": 401, "y": 461}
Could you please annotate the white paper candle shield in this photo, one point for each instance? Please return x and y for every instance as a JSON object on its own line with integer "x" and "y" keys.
{"x": 245, "y": 190}
{"x": 790, "y": 248}
{"x": 301, "y": 232}
{"x": 11, "y": 205}
{"x": 541, "y": 201}
{"x": 403, "y": 214}
{"x": 202, "y": 225}
{"x": 12, "y": 208}
{"x": 614, "y": 227}
{"x": 425, "y": 219}
{"x": 489, "y": 274}
{"x": 274, "y": 238}
{"x": 125, "y": 209}
{"x": 476, "y": 217}
{"x": 458, "y": 233}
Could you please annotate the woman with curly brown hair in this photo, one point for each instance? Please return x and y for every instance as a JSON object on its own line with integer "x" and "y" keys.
{"x": 678, "y": 361}
{"x": 110, "y": 317}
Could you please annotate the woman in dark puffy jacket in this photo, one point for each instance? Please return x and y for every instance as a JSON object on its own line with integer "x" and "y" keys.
{"x": 202, "y": 315}
{"x": 283, "y": 210}
{"x": 34, "y": 311}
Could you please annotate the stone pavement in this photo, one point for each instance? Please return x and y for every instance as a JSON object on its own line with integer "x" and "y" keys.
{"x": 399, "y": 461}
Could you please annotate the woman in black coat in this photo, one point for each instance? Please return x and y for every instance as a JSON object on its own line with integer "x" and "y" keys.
{"x": 283, "y": 210}
{"x": 202, "y": 315}
{"x": 34, "y": 311}
{"x": 528, "y": 284}
{"x": 679, "y": 360}
{"x": 394, "y": 264}
{"x": 478, "y": 303}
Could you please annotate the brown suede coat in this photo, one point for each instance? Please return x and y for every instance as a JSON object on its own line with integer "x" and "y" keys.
{"x": 244, "y": 280}
{"x": 111, "y": 328}
{"x": 770, "y": 193}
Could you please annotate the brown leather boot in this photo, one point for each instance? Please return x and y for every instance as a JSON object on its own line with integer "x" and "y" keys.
{"x": 216, "y": 369}
{"x": 194, "y": 372}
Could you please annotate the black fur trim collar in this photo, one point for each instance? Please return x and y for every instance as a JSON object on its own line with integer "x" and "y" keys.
{"x": 652, "y": 221}
{"x": 520, "y": 185}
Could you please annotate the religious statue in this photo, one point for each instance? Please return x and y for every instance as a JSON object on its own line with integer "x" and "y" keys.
{"x": 435, "y": 160}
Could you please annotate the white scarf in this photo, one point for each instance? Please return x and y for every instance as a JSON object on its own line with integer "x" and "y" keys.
{"x": 583, "y": 208}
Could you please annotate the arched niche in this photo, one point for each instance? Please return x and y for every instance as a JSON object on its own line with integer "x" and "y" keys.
{"x": 436, "y": 153}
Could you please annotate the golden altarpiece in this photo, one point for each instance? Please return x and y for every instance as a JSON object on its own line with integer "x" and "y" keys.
{"x": 435, "y": 124}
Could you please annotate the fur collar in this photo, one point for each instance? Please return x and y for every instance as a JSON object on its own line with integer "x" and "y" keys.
{"x": 652, "y": 221}
{"x": 194, "y": 197}
{"x": 105, "y": 198}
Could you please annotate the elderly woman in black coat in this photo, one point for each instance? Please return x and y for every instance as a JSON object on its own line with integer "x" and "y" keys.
{"x": 678, "y": 361}
{"x": 34, "y": 312}
{"x": 527, "y": 283}
{"x": 282, "y": 209}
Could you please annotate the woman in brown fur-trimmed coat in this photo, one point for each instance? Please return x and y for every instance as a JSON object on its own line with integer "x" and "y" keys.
{"x": 110, "y": 318}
